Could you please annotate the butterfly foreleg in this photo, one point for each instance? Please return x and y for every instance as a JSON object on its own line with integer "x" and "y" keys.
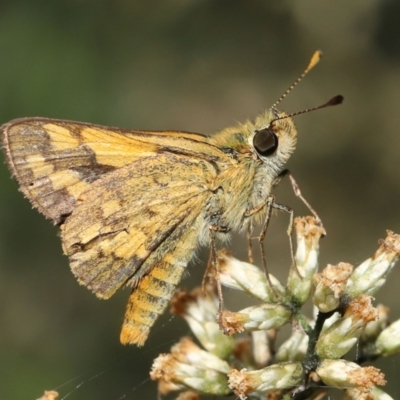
{"x": 297, "y": 192}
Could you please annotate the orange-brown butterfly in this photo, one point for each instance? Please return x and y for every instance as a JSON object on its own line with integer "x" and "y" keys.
{"x": 133, "y": 206}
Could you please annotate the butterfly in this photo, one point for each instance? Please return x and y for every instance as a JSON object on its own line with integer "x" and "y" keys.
{"x": 133, "y": 206}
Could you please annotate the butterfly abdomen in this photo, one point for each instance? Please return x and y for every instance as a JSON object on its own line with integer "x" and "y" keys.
{"x": 150, "y": 298}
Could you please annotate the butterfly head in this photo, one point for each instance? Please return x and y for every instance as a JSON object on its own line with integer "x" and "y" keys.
{"x": 274, "y": 138}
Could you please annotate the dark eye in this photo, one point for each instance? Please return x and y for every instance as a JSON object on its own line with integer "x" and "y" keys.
{"x": 265, "y": 142}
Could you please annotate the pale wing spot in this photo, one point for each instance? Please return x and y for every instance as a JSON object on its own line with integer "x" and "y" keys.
{"x": 104, "y": 146}
{"x": 87, "y": 256}
{"x": 68, "y": 179}
{"x": 90, "y": 134}
{"x": 113, "y": 149}
{"x": 77, "y": 188}
{"x": 127, "y": 247}
{"x": 38, "y": 165}
{"x": 170, "y": 259}
{"x": 110, "y": 207}
{"x": 107, "y": 156}
{"x": 90, "y": 233}
{"x": 61, "y": 138}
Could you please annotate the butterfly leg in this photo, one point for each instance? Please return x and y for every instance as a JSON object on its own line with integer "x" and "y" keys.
{"x": 282, "y": 207}
{"x": 270, "y": 204}
{"x": 208, "y": 272}
{"x": 213, "y": 263}
{"x": 297, "y": 192}
{"x": 250, "y": 243}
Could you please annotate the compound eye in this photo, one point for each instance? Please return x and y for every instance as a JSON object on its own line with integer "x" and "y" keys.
{"x": 265, "y": 142}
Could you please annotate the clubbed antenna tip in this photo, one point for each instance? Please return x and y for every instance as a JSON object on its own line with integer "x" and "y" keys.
{"x": 313, "y": 62}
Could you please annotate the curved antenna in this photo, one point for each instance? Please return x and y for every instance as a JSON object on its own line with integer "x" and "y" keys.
{"x": 334, "y": 101}
{"x": 313, "y": 62}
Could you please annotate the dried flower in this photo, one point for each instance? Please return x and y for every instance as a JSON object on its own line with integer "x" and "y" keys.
{"x": 330, "y": 285}
{"x": 274, "y": 377}
{"x": 345, "y": 374}
{"x": 374, "y": 394}
{"x": 199, "y": 309}
{"x": 188, "y": 395}
{"x": 314, "y": 351}
{"x": 49, "y": 395}
{"x": 190, "y": 367}
{"x": 343, "y": 334}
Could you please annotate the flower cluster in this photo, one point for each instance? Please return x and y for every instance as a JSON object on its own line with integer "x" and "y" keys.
{"x": 311, "y": 360}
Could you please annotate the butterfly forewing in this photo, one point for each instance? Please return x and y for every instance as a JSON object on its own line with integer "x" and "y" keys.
{"x": 54, "y": 161}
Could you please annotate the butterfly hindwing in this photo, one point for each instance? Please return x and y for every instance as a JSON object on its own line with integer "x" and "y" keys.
{"x": 124, "y": 223}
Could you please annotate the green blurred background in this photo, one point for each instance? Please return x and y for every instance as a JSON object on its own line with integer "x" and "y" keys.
{"x": 195, "y": 66}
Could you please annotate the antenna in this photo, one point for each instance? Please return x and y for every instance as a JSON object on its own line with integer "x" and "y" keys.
{"x": 313, "y": 62}
{"x": 334, "y": 101}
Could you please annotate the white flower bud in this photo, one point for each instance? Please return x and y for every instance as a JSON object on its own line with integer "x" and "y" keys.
{"x": 300, "y": 277}
{"x": 294, "y": 349}
{"x": 388, "y": 342}
{"x": 374, "y": 328}
{"x": 368, "y": 277}
{"x": 255, "y": 318}
{"x": 248, "y": 278}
